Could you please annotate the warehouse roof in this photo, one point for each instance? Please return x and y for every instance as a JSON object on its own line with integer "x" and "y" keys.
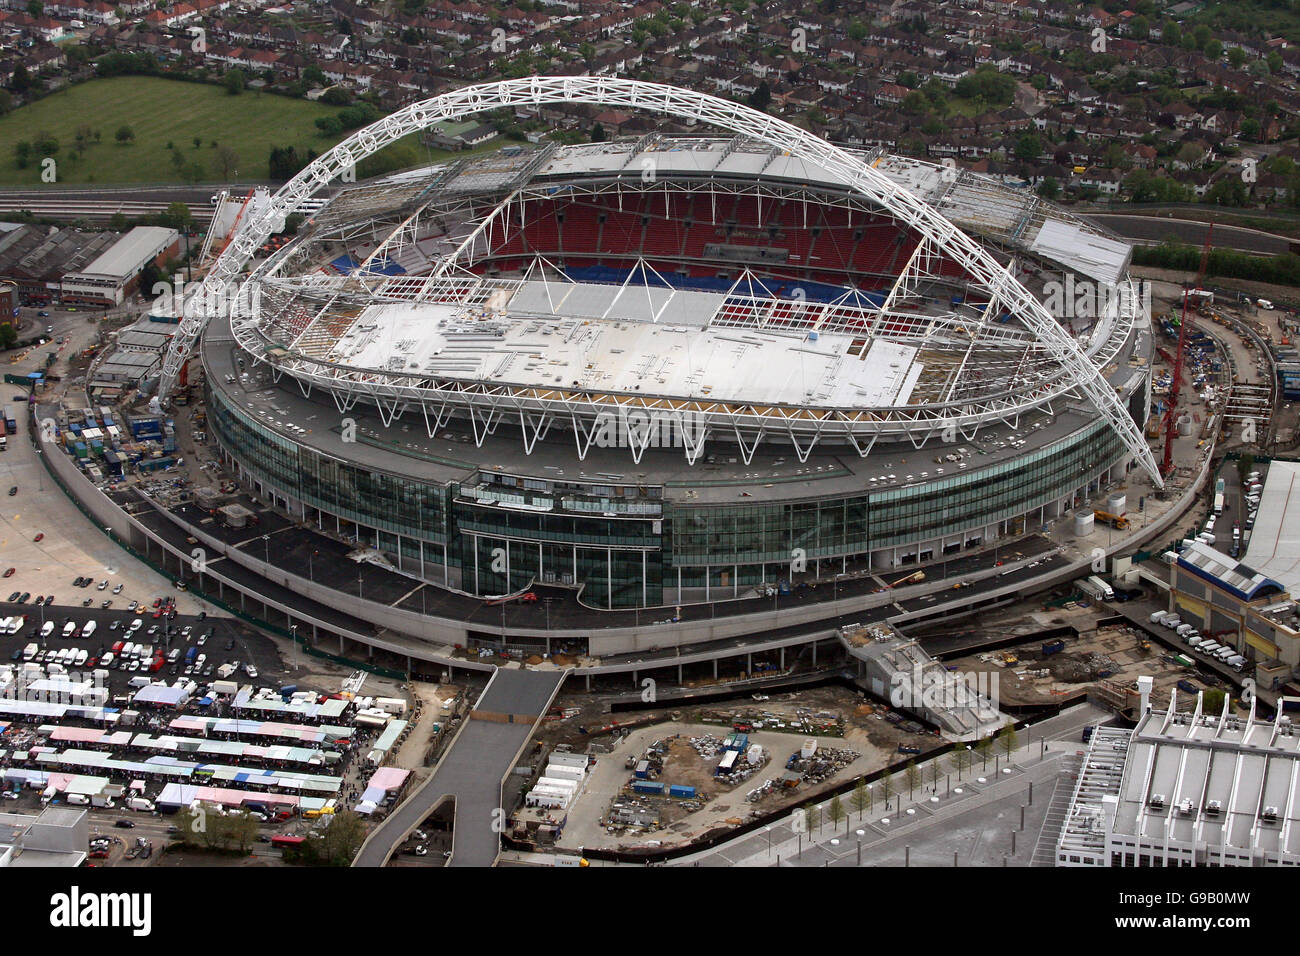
{"x": 1275, "y": 541}
{"x": 129, "y": 254}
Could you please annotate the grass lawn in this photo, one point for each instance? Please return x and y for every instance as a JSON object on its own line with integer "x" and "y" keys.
{"x": 160, "y": 111}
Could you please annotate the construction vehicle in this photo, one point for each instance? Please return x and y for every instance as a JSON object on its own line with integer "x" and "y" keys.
{"x": 916, "y": 578}
{"x": 1118, "y": 522}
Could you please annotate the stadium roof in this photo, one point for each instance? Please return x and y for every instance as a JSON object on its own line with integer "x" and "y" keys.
{"x": 1275, "y": 540}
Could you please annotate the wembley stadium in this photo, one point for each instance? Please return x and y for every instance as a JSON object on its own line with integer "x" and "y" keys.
{"x": 668, "y": 370}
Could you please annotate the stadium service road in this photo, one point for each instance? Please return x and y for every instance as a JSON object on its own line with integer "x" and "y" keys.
{"x": 471, "y": 770}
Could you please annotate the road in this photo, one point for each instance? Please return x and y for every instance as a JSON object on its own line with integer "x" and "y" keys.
{"x": 471, "y": 770}
{"x": 1156, "y": 229}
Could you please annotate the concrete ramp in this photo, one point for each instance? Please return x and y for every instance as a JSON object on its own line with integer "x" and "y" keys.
{"x": 472, "y": 770}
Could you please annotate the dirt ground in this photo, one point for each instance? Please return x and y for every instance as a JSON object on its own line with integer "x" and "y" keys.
{"x": 865, "y": 730}
{"x": 1037, "y": 679}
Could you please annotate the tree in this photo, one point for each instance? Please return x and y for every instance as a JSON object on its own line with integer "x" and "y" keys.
{"x": 150, "y": 276}
{"x": 862, "y": 798}
{"x": 1028, "y": 147}
{"x": 124, "y": 134}
{"x": 1008, "y": 740}
{"x": 234, "y": 82}
{"x": 887, "y": 788}
{"x": 36, "y": 8}
{"x": 45, "y": 144}
{"x": 336, "y": 845}
{"x": 8, "y": 336}
{"x": 932, "y": 774}
{"x": 959, "y": 759}
{"x": 598, "y": 134}
{"x": 836, "y": 812}
{"x": 1245, "y": 465}
{"x": 21, "y": 81}
{"x": 226, "y": 162}
{"x": 984, "y": 746}
{"x": 177, "y": 215}
{"x": 761, "y": 97}
{"x": 1049, "y": 189}
{"x": 913, "y": 776}
{"x": 22, "y": 153}
{"x": 812, "y": 817}
{"x": 1237, "y": 57}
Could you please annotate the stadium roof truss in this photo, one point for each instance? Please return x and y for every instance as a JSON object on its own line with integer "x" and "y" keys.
{"x": 977, "y": 370}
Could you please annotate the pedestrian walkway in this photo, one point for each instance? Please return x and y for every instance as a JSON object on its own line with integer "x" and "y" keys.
{"x": 1058, "y": 810}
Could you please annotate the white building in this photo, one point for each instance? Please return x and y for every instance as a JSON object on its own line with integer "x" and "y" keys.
{"x": 1187, "y": 789}
{"x": 106, "y": 280}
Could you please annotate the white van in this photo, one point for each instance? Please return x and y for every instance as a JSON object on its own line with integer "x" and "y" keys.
{"x": 1236, "y": 662}
{"x": 88, "y": 630}
{"x": 78, "y": 799}
{"x": 1209, "y": 647}
{"x": 1196, "y": 642}
{"x": 81, "y": 657}
{"x": 1182, "y": 629}
{"x": 47, "y": 629}
{"x": 128, "y": 651}
{"x": 1224, "y": 653}
{"x": 1171, "y": 621}
{"x": 69, "y": 629}
{"x": 107, "y": 659}
{"x": 15, "y": 626}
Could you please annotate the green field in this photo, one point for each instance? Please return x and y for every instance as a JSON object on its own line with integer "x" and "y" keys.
{"x": 160, "y": 111}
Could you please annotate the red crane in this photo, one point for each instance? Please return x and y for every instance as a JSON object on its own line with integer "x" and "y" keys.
{"x": 1167, "y": 466}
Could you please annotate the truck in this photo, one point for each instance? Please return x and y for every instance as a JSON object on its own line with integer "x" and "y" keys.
{"x": 190, "y": 654}
{"x": 1087, "y": 586}
{"x": 225, "y": 670}
{"x": 1107, "y": 592}
{"x": 11, "y": 423}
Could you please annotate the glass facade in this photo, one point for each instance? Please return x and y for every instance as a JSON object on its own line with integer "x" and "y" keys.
{"x": 502, "y": 540}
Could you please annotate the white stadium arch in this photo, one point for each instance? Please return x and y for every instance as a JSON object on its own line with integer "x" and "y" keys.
{"x": 908, "y": 209}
